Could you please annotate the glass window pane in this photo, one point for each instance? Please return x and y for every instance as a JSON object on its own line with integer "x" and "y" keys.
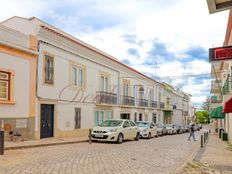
{"x": 101, "y": 116}
{"x": 106, "y": 84}
{"x": 102, "y": 83}
{"x": 3, "y": 95}
{"x": 4, "y": 76}
{"x": 96, "y": 118}
{"x": 109, "y": 115}
{"x": 80, "y": 77}
{"x": 74, "y": 76}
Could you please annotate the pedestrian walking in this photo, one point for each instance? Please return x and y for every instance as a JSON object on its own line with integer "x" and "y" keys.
{"x": 192, "y": 130}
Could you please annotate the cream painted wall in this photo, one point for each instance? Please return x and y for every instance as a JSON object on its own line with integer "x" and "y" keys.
{"x": 21, "y": 86}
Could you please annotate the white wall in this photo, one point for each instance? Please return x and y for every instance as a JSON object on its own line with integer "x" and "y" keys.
{"x": 21, "y": 86}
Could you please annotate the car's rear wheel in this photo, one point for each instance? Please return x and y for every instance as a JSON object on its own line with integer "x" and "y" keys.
{"x": 120, "y": 139}
{"x": 137, "y": 137}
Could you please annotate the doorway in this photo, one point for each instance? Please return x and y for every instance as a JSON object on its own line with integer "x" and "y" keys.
{"x": 46, "y": 120}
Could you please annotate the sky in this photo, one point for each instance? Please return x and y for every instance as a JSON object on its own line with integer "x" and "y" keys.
{"x": 166, "y": 40}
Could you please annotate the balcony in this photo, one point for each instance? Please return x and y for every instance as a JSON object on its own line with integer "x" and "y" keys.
{"x": 161, "y": 105}
{"x": 215, "y": 86}
{"x": 168, "y": 107}
{"x": 127, "y": 101}
{"x": 215, "y": 69}
{"x": 106, "y": 98}
{"x": 142, "y": 102}
{"x": 153, "y": 104}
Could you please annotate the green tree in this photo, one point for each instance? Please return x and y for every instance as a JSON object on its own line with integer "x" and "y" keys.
{"x": 200, "y": 117}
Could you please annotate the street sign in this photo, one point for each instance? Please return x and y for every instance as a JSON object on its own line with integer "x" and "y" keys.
{"x": 220, "y": 53}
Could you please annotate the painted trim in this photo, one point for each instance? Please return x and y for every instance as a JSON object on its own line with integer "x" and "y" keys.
{"x": 16, "y": 52}
{"x": 10, "y": 100}
{"x": 228, "y": 30}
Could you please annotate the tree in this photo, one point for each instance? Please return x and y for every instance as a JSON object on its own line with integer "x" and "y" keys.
{"x": 206, "y": 104}
{"x": 200, "y": 117}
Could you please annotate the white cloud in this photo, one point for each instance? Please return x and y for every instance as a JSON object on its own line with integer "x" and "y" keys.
{"x": 179, "y": 24}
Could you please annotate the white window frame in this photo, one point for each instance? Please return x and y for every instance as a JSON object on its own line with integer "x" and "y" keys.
{"x": 79, "y": 80}
{"x": 105, "y": 86}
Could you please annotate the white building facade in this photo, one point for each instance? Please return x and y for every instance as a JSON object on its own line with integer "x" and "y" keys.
{"x": 79, "y": 86}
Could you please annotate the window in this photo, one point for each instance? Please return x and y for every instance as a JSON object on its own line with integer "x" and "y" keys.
{"x": 99, "y": 117}
{"x": 49, "y": 70}
{"x": 104, "y": 83}
{"x": 77, "y": 76}
{"x": 132, "y": 123}
{"x": 135, "y": 116}
{"x": 154, "y": 117}
{"x": 141, "y": 93}
{"x": 77, "y": 118}
{"x": 126, "y": 124}
{"x": 140, "y": 117}
{"x": 109, "y": 115}
{"x": 4, "y": 86}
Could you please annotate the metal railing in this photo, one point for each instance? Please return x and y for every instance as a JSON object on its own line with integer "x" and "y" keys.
{"x": 106, "y": 98}
{"x": 127, "y": 100}
{"x": 142, "y": 102}
{"x": 153, "y": 104}
{"x": 161, "y": 105}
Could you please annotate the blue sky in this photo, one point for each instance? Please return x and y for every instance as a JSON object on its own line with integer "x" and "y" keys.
{"x": 167, "y": 41}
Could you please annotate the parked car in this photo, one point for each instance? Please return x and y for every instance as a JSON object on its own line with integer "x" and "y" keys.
{"x": 179, "y": 129}
{"x": 116, "y": 131}
{"x": 185, "y": 128}
{"x": 161, "y": 129}
{"x": 199, "y": 126}
{"x": 171, "y": 129}
{"x": 147, "y": 129}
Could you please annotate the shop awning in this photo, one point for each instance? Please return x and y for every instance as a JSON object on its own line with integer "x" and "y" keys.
{"x": 217, "y": 113}
{"x": 227, "y": 108}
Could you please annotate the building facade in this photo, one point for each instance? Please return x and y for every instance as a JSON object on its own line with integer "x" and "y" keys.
{"x": 17, "y": 82}
{"x": 79, "y": 86}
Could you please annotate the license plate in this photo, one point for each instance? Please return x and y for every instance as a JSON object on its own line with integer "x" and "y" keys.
{"x": 99, "y": 135}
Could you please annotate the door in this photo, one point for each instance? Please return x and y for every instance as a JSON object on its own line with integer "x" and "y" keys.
{"x": 126, "y": 130}
{"x": 133, "y": 129}
{"x": 46, "y": 120}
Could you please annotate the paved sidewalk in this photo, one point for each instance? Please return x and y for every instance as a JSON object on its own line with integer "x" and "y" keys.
{"x": 214, "y": 158}
{"x": 9, "y": 145}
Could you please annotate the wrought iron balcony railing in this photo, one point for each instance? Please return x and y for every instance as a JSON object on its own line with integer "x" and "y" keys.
{"x": 106, "y": 98}
{"x": 161, "y": 105}
{"x": 142, "y": 102}
{"x": 127, "y": 100}
{"x": 153, "y": 104}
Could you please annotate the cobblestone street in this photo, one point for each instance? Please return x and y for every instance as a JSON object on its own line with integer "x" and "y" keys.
{"x": 158, "y": 155}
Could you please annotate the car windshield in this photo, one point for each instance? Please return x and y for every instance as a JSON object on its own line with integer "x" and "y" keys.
{"x": 160, "y": 126}
{"x": 111, "y": 123}
{"x": 169, "y": 126}
{"x": 142, "y": 124}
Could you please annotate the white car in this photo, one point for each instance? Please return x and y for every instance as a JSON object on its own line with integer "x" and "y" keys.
{"x": 171, "y": 129}
{"x": 147, "y": 129}
{"x": 116, "y": 131}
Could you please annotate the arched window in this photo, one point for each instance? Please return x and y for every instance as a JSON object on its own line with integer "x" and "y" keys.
{"x": 141, "y": 92}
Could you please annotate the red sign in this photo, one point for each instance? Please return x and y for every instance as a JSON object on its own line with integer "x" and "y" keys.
{"x": 223, "y": 53}
{"x": 220, "y": 53}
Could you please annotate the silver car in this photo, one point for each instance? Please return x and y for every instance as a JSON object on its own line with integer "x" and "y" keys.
{"x": 147, "y": 129}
